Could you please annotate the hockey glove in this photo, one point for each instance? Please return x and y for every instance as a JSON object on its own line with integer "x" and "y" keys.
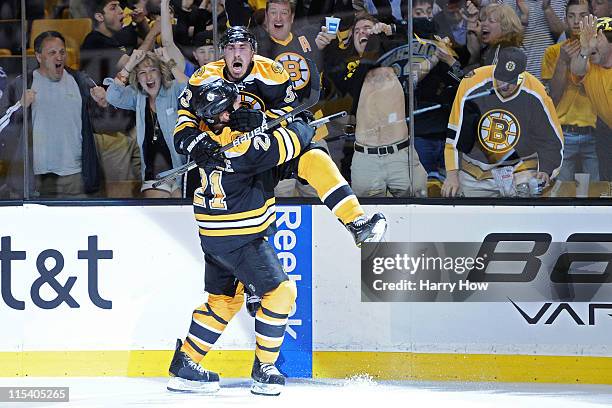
{"x": 206, "y": 153}
{"x": 306, "y": 116}
{"x": 245, "y": 120}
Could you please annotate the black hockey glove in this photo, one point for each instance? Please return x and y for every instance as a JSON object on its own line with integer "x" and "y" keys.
{"x": 206, "y": 153}
{"x": 245, "y": 120}
{"x": 306, "y": 116}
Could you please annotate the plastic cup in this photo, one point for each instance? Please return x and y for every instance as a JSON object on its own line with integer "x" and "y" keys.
{"x": 332, "y": 24}
{"x": 582, "y": 184}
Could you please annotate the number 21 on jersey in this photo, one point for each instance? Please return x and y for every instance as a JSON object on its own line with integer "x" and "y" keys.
{"x": 214, "y": 180}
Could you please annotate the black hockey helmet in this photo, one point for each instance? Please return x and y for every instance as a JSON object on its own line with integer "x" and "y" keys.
{"x": 213, "y": 98}
{"x": 237, "y": 34}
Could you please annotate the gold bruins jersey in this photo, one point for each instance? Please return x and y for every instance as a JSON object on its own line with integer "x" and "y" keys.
{"x": 521, "y": 130}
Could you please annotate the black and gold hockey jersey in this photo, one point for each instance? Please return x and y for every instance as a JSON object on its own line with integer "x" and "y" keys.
{"x": 266, "y": 87}
{"x": 292, "y": 53}
{"x": 236, "y": 204}
{"x": 492, "y": 131}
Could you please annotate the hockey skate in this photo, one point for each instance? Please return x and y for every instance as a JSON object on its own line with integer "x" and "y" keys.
{"x": 267, "y": 380}
{"x": 188, "y": 376}
{"x": 365, "y": 230}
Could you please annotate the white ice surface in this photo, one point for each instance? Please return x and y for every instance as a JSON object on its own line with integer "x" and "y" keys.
{"x": 117, "y": 392}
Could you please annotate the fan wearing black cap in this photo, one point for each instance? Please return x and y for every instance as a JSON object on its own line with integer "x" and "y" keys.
{"x": 505, "y": 138}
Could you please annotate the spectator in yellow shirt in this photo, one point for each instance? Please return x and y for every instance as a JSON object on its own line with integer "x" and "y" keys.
{"x": 592, "y": 66}
{"x": 576, "y": 114}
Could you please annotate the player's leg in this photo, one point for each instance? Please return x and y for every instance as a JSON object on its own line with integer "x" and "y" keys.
{"x": 259, "y": 268}
{"x": 318, "y": 169}
{"x": 208, "y": 323}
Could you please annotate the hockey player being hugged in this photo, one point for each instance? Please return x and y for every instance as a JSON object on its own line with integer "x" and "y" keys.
{"x": 235, "y": 207}
{"x": 508, "y": 138}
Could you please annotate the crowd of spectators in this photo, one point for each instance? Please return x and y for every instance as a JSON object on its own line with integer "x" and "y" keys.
{"x": 104, "y": 77}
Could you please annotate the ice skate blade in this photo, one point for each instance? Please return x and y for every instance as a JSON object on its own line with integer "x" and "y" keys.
{"x": 177, "y": 384}
{"x": 378, "y": 231}
{"x": 273, "y": 390}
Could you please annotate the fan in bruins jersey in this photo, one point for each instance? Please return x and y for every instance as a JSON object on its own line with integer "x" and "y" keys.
{"x": 280, "y": 40}
{"x": 504, "y": 139}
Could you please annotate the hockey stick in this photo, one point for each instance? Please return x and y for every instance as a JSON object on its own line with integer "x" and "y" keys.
{"x": 313, "y": 99}
{"x": 6, "y": 119}
{"x": 171, "y": 174}
{"x": 327, "y": 119}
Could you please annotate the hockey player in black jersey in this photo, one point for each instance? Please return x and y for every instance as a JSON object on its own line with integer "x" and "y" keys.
{"x": 266, "y": 86}
{"x": 235, "y": 211}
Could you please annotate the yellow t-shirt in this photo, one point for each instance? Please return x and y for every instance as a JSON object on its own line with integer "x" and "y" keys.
{"x": 598, "y": 86}
{"x": 575, "y": 107}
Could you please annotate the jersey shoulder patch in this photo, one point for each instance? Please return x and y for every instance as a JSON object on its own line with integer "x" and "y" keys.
{"x": 207, "y": 72}
{"x": 276, "y": 67}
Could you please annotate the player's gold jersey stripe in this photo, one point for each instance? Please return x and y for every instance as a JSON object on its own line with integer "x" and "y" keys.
{"x": 282, "y": 150}
{"x": 183, "y": 126}
{"x": 237, "y": 216}
{"x": 186, "y": 113}
{"x": 239, "y": 231}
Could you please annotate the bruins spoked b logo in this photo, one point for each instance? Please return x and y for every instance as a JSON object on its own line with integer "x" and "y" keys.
{"x": 297, "y": 67}
{"x": 498, "y": 131}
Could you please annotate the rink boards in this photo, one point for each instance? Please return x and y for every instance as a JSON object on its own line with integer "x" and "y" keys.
{"x": 94, "y": 291}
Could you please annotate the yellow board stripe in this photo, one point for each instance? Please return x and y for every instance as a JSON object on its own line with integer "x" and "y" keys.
{"x": 238, "y": 231}
{"x": 326, "y": 364}
{"x": 463, "y": 367}
{"x": 237, "y": 216}
{"x": 136, "y": 363}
